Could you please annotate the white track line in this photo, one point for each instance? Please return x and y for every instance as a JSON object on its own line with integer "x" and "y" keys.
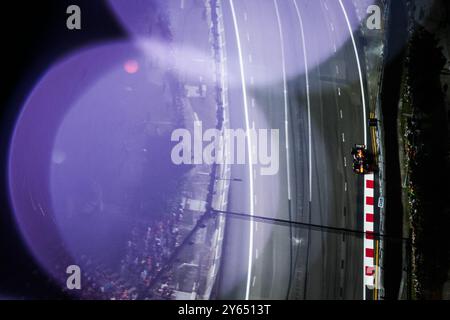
{"x": 307, "y": 97}
{"x": 286, "y": 113}
{"x": 249, "y": 145}
{"x": 359, "y": 70}
{"x": 362, "y": 87}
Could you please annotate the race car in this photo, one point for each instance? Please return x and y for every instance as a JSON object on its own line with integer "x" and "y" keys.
{"x": 362, "y": 160}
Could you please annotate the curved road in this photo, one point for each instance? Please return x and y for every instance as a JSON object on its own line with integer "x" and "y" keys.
{"x": 273, "y": 49}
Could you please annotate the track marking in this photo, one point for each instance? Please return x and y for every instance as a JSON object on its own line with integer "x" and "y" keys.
{"x": 341, "y": 114}
{"x": 359, "y": 70}
{"x": 343, "y": 137}
{"x": 286, "y": 113}
{"x": 249, "y": 146}
{"x": 369, "y": 266}
{"x": 361, "y": 84}
{"x": 374, "y": 141}
{"x": 308, "y": 100}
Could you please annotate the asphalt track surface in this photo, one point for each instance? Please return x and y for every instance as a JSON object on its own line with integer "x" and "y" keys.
{"x": 320, "y": 116}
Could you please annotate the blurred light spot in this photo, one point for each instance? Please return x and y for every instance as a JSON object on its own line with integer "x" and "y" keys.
{"x": 58, "y": 157}
{"x": 131, "y": 66}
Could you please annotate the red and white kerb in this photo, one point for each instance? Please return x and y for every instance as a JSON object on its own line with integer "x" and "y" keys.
{"x": 369, "y": 219}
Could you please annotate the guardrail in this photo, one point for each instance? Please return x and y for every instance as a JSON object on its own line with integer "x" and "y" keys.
{"x": 221, "y": 185}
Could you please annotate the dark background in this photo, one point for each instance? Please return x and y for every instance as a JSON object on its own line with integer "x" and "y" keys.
{"x": 34, "y": 37}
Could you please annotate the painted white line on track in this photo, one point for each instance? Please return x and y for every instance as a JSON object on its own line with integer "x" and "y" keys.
{"x": 341, "y": 114}
{"x": 361, "y": 85}
{"x": 343, "y": 137}
{"x": 359, "y": 69}
{"x": 308, "y": 100}
{"x": 249, "y": 146}
{"x": 286, "y": 112}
